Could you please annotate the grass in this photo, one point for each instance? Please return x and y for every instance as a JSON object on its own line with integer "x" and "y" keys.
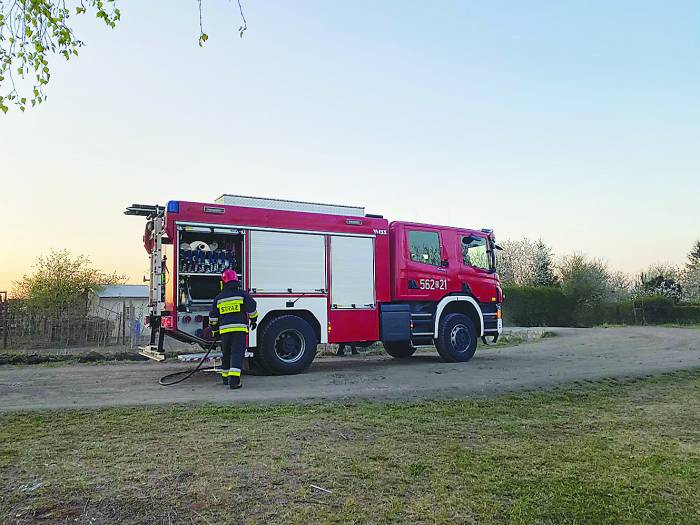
{"x": 609, "y": 452}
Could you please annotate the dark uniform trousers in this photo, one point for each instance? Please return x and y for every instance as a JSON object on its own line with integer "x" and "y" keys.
{"x": 233, "y": 345}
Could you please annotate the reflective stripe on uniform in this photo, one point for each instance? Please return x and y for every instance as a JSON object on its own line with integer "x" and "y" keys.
{"x": 229, "y": 300}
{"x": 236, "y": 327}
{"x": 234, "y": 372}
{"x": 213, "y": 320}
{"x": 253, "y": 315}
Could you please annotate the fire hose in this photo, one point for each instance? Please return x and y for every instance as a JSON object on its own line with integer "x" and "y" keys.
{"x": 163, "y": 381}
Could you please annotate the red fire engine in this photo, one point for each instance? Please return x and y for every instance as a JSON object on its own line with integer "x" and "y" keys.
{"x": 320, "y": 273}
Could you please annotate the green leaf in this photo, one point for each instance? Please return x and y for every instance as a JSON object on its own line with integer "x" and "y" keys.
{"x": 3, "y": 109}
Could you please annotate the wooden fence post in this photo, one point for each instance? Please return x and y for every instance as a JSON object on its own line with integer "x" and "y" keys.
{"x": 123, "y": 323}
{"x": 131, "y": 324}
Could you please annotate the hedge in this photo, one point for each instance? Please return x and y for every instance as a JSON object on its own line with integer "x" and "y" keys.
{"x": 686, "y": 314}
{"x": 536, "y": 306}
{"x": 547, "y": 306}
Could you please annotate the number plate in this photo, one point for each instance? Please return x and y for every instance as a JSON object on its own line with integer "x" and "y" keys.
{"x": 432, "y": 284}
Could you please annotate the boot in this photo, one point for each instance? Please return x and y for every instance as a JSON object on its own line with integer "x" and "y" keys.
{"x": 234, "y": 382}
{"x": 224, "y": 379}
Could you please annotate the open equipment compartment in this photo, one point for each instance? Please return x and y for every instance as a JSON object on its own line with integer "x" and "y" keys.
{"x": 203, "y": 252}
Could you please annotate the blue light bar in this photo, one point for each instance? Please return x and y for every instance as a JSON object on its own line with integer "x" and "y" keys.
{"x": 173, "y": 206}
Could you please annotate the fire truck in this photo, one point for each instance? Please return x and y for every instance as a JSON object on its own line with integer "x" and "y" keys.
{"x": 320, "y": 273}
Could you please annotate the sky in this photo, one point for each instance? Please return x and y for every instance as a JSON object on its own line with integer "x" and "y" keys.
{"x": 576, "y": 122}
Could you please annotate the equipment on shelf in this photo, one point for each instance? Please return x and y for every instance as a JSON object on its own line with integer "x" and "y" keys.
{"x": 212, "y": 258}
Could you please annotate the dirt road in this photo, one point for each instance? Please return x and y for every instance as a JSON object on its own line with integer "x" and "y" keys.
{"x": 575, "y": 354}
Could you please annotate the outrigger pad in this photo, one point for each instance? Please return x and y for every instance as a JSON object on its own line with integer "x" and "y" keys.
{"x": 151, "y": 351}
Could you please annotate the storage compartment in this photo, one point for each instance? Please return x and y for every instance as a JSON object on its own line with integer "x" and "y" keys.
{"x": 352, "y": 272}
{"x": 287, "y": 262}
{"x": 203, "y": 253}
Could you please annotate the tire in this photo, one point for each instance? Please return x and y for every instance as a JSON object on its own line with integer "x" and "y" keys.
{"x": 457, "y": 338}
{"x": 287, "y": 345}
{"x": 399, "y": 349}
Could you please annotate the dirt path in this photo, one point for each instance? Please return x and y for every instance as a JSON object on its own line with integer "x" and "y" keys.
{"x": 576, "y": 354}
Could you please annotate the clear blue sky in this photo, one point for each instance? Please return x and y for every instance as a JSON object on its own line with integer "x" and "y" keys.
{"x": 577, "y": 122}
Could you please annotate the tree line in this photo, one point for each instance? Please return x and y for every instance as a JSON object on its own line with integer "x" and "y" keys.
{"x": 523, "y": 262}
{"x": 542, "y": 288}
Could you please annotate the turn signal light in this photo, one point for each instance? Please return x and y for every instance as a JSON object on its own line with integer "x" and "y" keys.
{"x": 166, "y": 321}
{"x": 498, "y": 314}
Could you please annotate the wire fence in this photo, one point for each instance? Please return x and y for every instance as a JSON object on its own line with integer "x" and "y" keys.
{"x": 24, "y": 327}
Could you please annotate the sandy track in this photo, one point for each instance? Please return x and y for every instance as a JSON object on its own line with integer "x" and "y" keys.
{"x": 576, "y": 354}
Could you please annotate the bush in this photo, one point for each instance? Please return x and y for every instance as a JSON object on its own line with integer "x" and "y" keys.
{"x": 644, "y": 310}
{"x": 686, "y": 314}
{"x": 547, "y": 306}
{"x": 536, "y": 306}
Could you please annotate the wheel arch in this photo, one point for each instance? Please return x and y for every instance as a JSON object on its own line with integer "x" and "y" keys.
{"x": 306, "y": 315}
{"x": 463, "y": 304}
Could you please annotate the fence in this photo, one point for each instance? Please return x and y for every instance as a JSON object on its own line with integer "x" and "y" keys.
{"x": 24, "y": 327}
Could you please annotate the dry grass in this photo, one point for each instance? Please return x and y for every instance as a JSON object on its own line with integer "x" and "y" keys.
{"x": 607, "y": 452}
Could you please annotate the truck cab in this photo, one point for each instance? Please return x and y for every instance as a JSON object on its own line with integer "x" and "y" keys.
{"x": 436, "y": 272}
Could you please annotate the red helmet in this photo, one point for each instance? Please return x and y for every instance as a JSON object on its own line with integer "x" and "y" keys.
{"x": 228, "y": 276}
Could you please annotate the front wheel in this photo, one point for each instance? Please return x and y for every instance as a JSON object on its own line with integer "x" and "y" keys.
{"x": 456, "y": 341}
{"x": 287, "y": 345}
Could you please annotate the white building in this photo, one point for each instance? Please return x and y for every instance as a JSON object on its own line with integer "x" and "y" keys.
{"x": 111, "y": 301}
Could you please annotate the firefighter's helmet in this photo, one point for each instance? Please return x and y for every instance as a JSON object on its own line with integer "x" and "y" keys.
{"x": 229, "y": 275}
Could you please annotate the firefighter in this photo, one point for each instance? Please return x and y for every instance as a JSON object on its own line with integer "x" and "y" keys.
{"x": 229, "y": 316}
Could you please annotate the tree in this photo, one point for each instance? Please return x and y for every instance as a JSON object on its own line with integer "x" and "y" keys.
{"x": 588, "y": 284}
{"x": 543, "y": 266}
{"x": 659, "y": 280}
{"x": 33, "y": 31}
{"x": 62, "y": 280}
{"x": 516, "y": 262}
{"x": 585, "y": 280}
{"x": 691, "y": 275}
{"x": 694, "y": 256}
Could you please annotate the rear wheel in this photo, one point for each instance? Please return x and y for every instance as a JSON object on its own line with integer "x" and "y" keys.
{"x": 399, "y": 349}
{"x": 456, "y": 341}
{"x": 287, "y": 345}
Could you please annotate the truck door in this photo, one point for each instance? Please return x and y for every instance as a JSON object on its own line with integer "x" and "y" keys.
{"x": 475, "y": 268}
{"x": 425, "y": 277}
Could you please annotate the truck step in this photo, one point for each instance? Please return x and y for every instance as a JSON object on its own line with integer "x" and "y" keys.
{"x": 151, "y": 351}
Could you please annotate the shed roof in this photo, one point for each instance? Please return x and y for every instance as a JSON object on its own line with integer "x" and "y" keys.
{"x": 139, "y": 291}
